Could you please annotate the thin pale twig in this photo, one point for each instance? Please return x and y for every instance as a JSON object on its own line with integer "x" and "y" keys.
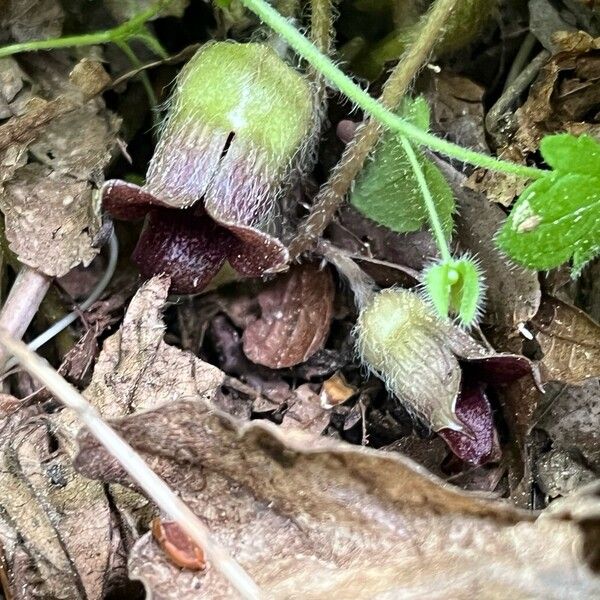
{"x": 135, "y": 466}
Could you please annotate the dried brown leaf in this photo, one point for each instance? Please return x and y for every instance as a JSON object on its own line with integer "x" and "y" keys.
{"x": 322, "y": 518}
{"x": 50, "y": 220}
{"x": 137, "y": 369}
{"x": 12, "y": 81}
{"x": 565, "y": 95}
{"x": 305, "y": 411}
{"x": 90, "y": 77}
{"x": 569, "y": 341}
{"x": 78, "y": 143}
{"x": 58, "y": 529}
{"x": 570, "y": 417}
{"x": 296, "y": 312}
{"x": 31, "y": 19}
{"x": 457, "y": 109}
{"x": 559, "y": 473}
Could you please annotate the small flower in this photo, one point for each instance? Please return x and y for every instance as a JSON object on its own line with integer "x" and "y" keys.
{"x": 438, "y": 372}
{"x": 239, "y": 123}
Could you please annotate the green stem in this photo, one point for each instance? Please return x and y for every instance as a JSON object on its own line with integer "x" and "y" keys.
{"x": 134, "y": 60}
{"x": 121, "y": 33}
{"x": 371, "y": 106}
{"x": 434, "y": 219}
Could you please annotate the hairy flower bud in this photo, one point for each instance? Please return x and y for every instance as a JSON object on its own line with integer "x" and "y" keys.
{"x": 400, "y": 338}
{"x": 239, "y": 123}
{"x": 238, "y": 118}
{"x": 420, "y": 356}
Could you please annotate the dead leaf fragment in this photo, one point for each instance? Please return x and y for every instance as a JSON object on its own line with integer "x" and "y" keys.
{"x": 90, "y": 77}
{"x": 137, "y": 369}
{"x": 78, "y": 143}
{"x": 326, "y": 519}
{"x": 296, "y": 312}
{"x": 571, "y": 416}
{"x": 305, "y": 411}
{"x": 32, "y": 19}
{"x": 50, "y": 220}
{"x": 569, "y": 340}
{"x": 336, "y": 390}
{"x": 177, "y": 545}
{"x": 56, "y": 527}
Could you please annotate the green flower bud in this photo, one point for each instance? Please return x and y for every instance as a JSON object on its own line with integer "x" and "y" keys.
{"x": 403, "y": 342}
{"x": 238, "y": 119}
{"x": 455, "y": 288}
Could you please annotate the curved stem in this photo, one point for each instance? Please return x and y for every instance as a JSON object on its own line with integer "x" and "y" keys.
{"x": 370, "y": 105}
{"x": 434, "y": 219}
{"x": 332, "y": 193}
{"x": 63, "y": 323}
{"x": 117, "y": 34}
{"x": 135, "y": 61}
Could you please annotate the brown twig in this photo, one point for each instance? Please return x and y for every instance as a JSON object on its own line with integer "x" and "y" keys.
{"x": 332, "y": 193}
{"x": 22, "y": 303}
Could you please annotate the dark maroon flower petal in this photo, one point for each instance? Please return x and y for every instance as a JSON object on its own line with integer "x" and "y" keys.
{"x": 479, "y": 443}
{"x": 126, "y": 201}
{"x": 500, "y": 369}
{"x": 255, "y": 253}
{"x": 189, "y": 248}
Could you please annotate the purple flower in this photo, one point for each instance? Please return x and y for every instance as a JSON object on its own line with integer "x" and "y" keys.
{"x": 239, "y": 124}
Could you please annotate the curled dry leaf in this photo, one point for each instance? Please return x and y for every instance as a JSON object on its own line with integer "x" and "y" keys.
{"x": 56, "y": 526}
{"x": 330, "y": 519}
{"x": 296, "y": 312}
{"x": 565, "y": 94}
{"x": 60, "y": 531}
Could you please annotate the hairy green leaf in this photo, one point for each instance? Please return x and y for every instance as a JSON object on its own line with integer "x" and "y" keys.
{"x": 387, "y": 190}
{"x": 557, "y": 217}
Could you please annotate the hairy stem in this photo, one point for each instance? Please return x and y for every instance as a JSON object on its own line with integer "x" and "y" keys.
{"x": 130, "y": 29}
{"x": 22, "y": 303}
{"x": 370, "y": 105}
{"x": 332, "y": 194}
{"x": 434, "y": 219}
{"x": 321, "y": 18}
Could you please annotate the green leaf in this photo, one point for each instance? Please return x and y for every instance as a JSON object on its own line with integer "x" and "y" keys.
{"x": 557, "y": 217}
{"x": 570, "y": 154}
{"x": 455, "y": 288}
{"x": 387, "y": 190}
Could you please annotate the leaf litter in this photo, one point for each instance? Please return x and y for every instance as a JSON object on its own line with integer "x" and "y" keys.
{"x": 249, "y": 399}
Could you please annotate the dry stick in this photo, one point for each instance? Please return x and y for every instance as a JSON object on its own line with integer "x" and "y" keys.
{"x": 134, "y": 464}
{"x": 332, "y": 193}
{"x": 22, "y": 304}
